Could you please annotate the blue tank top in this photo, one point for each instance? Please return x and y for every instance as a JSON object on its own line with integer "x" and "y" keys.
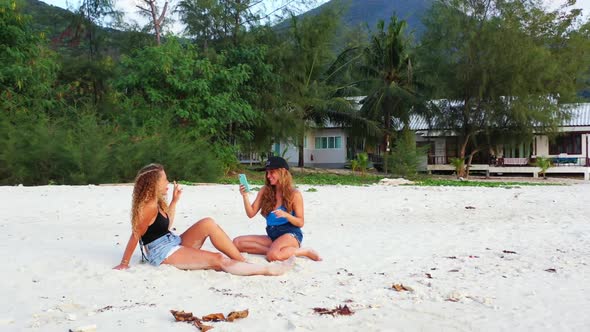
{"x": 272, "y": 220}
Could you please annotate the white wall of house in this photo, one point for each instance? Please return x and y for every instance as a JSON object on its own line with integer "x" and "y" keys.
{"x": 541, "y": 143}
{"x": 324, "y": 155}
{"x": 327, "y": 155}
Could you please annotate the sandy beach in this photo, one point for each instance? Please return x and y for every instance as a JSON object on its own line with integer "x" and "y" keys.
{"x": 476, "y": 259}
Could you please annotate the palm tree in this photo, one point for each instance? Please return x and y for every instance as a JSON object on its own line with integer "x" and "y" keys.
{"x": 309, "y": 93}
{"x": 388, "y": 79}
{"x": 544, "y": 164}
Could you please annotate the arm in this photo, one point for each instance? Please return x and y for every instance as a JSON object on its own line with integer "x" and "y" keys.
{"x": 297, "y": 219}
{"x": 251, "y": 209}
{"x": 148, "y": 216}
{"x": 176, "y": 193}
{"x": 131, "y": 245}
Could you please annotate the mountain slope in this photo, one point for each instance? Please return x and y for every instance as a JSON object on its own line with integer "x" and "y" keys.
{"x": 46, "y": 18}
{"x": 368, "y": 12}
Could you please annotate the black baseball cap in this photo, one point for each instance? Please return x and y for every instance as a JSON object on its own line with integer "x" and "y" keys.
{"x": 276, "y": 162}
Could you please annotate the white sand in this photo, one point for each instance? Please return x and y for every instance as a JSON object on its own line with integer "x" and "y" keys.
{"x": 59, "y": 244}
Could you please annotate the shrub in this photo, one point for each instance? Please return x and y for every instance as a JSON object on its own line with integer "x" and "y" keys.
{"x": 405, "y": 157}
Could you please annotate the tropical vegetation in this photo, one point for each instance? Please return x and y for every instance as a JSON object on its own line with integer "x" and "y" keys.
{"x": 87, "y": 97}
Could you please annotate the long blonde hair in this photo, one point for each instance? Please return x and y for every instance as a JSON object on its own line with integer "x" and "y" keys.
{"x": 144, "y": 190}
{"x": 269, "y": 197}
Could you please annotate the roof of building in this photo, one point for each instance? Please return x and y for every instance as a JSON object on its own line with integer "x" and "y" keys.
{"x": 579, "y": 117}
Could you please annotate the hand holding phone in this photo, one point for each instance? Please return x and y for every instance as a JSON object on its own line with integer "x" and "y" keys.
{"x": 244, "y": 182}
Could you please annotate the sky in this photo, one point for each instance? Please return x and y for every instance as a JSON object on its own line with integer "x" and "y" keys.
{"x": 130, "y": 10}
{"x": 128, "y": 6}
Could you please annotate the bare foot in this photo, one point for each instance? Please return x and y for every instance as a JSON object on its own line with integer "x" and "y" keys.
{"x": 277, "y": 268}
{"x": 309, "y": 253}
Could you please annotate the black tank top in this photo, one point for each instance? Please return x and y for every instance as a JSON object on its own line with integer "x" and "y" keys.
{"x": 156, "y": 230}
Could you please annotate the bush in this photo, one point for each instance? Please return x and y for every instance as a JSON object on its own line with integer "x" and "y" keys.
{"x": 32, "y": 151}
{"x": 37, "y": 151}
{"x": 405, "y": 157}
{"x": 361, "y": 163}
{"x": 459, "y": 164}
{"x": 544, "y": 164}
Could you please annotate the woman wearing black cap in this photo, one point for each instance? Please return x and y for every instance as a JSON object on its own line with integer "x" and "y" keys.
{"x": 282, "y": 207}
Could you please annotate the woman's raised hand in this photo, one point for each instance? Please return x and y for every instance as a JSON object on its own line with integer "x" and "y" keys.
{"x": 177, "y": 192}
{"x": 243, "y": 191}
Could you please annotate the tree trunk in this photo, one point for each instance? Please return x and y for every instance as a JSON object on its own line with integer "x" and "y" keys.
{"x": 237, "y": 22}
{"x": 156, "y": 21}
{"x": 468, "y": 166}
{"x": 462, "y": 155}
{"x": 387, "y": 126}
{"x": 301, "y": 161}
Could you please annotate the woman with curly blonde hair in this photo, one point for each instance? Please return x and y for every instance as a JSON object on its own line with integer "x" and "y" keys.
{"x": 151, "y": 221}
{"x": 282, "y": 207}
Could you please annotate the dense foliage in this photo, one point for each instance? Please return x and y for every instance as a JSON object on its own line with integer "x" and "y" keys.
{"x": 89, "y": 104}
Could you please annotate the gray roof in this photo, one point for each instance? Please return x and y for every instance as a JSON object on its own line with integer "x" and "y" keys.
{"x": 580, "y": 116}
{"x": 418, "y": 123}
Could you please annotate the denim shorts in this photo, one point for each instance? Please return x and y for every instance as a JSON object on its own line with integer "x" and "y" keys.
{"x": 274, "y": 232}
{"x": 161, "y": 248}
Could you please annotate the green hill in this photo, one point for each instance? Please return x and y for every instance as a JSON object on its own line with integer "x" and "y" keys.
{"x": 68, "y": 32}
{"x": 368, "y": 12}
{"x": 47, "y": 18}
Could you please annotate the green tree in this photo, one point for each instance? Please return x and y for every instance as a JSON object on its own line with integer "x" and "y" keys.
{"x": 500, "y": 67}
{"x": 262, "y": 92}
{"x": 383, "y": 71}
{"x": 202, "y": 20}
{"x": 227, "y": 22}
{"x": 307, "y": 72}
{"x": 28, "y": 70}
{"x": 405, "y": 157}
{"x": 86, "y": 56}
{"x": 388, "y": 79}
{"x": 172, "y": 81}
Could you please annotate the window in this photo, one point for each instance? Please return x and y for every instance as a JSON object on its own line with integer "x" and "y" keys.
{"x": 568, "y": 143}
{"x": 328, "y": 142}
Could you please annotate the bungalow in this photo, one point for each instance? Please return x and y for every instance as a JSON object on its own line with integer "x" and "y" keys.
{"x": 322, "y": 147}
{"x": 331, "y": 147}
{"x": 328, "y": 146}
{"x": 570, "y": 148}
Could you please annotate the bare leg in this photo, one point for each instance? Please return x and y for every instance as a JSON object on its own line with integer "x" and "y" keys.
{"x": 195, "y": 259}
{"x": 253, "y": 244}
{"x": 247, "y": 269}
{"x": 287, "y": 246}
{"x": 309, "y": 253}
{"x": 195, "y": 236}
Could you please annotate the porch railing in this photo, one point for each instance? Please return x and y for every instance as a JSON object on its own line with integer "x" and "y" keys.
{"x": 438, "y": 160}
{"x": 511, "y": 162}
{"x": 251, "y": 158}
{"x": 570, "y": 161}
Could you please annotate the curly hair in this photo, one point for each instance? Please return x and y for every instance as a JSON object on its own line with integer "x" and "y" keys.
{"x": 269, "y": 198}
{"x": 144, "y": 190}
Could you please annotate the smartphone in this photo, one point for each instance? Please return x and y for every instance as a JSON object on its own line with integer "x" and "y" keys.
{"x": 244, "y": 182}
